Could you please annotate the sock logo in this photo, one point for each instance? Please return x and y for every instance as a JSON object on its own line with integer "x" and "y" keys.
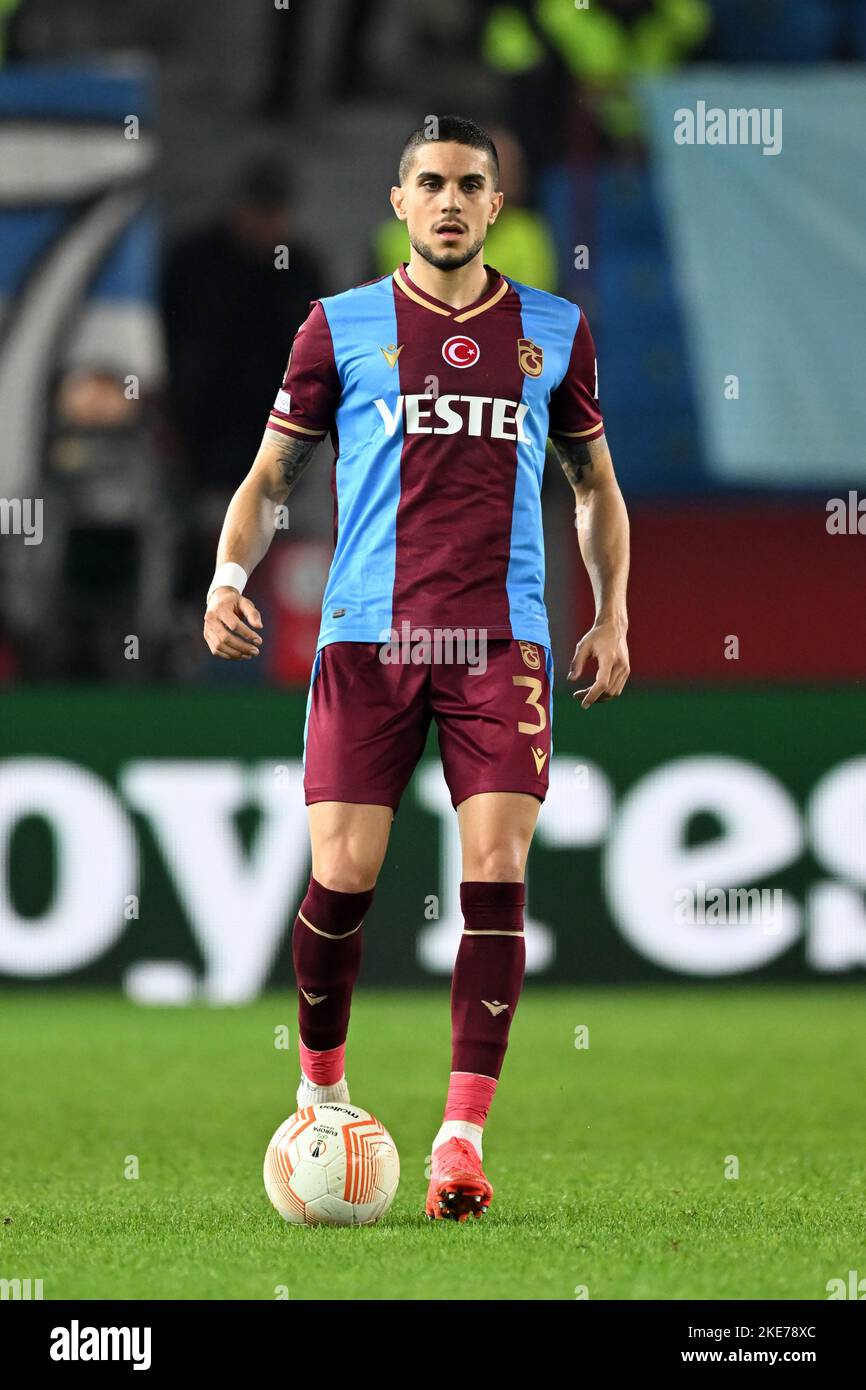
{"x": 495, "y": 1007}
{"x": 313, "y": 998}
{"x": 540, "y": 759}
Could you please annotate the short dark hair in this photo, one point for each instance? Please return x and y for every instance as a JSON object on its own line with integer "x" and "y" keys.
{"x": 455, "y": 128}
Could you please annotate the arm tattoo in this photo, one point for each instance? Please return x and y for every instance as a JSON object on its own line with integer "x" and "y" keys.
{"x": 294, "y": 456}
{"x": 576, "y": 456}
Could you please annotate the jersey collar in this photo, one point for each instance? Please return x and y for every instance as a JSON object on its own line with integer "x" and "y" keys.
{"x": 436, "y": 306}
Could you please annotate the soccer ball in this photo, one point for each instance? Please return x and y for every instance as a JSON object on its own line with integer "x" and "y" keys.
{"x": 332, "y": 1165}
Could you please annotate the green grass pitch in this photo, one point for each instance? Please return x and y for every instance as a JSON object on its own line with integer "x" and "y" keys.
{"x": 608, "y": 1162}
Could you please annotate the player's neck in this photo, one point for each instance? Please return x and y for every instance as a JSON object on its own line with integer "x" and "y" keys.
{"x": 458, "y": 288}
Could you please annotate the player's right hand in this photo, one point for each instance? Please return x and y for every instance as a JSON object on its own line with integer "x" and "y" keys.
{"x": 228, "y": 625}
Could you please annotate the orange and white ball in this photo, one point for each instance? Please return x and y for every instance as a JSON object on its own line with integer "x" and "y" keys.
{"x": 332, "y": 1165}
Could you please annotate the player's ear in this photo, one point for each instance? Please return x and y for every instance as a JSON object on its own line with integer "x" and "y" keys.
{"x": 398, "y": 202}
{"x": 496, "y": 202}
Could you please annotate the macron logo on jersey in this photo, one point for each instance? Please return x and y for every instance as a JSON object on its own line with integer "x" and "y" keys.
{"x": 476, "y": 415}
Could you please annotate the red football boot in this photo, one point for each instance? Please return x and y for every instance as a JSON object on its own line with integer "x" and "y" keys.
{"x": 458, "y": 1187}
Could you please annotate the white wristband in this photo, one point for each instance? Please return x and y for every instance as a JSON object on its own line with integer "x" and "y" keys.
{"x": 230, "y": 575}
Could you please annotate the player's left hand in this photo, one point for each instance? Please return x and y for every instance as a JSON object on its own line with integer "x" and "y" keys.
{"x": 606, "y": 643}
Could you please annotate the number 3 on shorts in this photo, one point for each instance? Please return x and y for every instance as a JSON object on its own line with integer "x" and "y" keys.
{"x": 535, "y": 688}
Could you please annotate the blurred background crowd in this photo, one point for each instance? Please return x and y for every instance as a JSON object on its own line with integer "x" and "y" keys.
{"x": 157, "y": 155}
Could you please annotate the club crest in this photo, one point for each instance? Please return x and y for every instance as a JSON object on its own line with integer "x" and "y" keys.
{"x": 530, "y": 356}
{"x": 530, "y": 654}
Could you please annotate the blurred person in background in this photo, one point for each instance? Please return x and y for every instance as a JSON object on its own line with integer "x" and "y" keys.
{"x": 105, "y": 563}
{"x": 234, "y": 293}
{"x": 603, "y": 48}
{"x": 519, "y": 243}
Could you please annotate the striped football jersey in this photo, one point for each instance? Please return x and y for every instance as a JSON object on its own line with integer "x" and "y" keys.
{"x": 439, "y": 418}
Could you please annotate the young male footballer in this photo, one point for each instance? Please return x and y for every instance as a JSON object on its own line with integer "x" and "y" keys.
{"x": 439, "y": 386}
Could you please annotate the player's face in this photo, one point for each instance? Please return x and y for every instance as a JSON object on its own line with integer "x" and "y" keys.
{"x": 447, "y": 201}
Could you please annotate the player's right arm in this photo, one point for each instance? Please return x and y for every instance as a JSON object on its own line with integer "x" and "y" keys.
{"x": 301, "y": 417}
{"x": 247, "y": 532}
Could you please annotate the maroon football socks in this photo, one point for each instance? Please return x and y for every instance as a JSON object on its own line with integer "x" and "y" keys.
{"x": 326, "y": 949}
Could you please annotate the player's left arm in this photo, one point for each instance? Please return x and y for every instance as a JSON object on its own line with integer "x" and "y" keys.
{"x": 602, "y": 528}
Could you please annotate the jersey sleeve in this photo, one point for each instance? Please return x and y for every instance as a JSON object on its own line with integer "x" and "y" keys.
{"x": 307, "y": 399}
{"x": 574, "y": 408}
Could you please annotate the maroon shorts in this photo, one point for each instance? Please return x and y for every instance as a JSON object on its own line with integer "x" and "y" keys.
{"x": 367, "y": 722}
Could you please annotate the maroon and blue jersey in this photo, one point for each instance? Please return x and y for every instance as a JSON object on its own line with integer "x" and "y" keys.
{"x": 439, "y": 419}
